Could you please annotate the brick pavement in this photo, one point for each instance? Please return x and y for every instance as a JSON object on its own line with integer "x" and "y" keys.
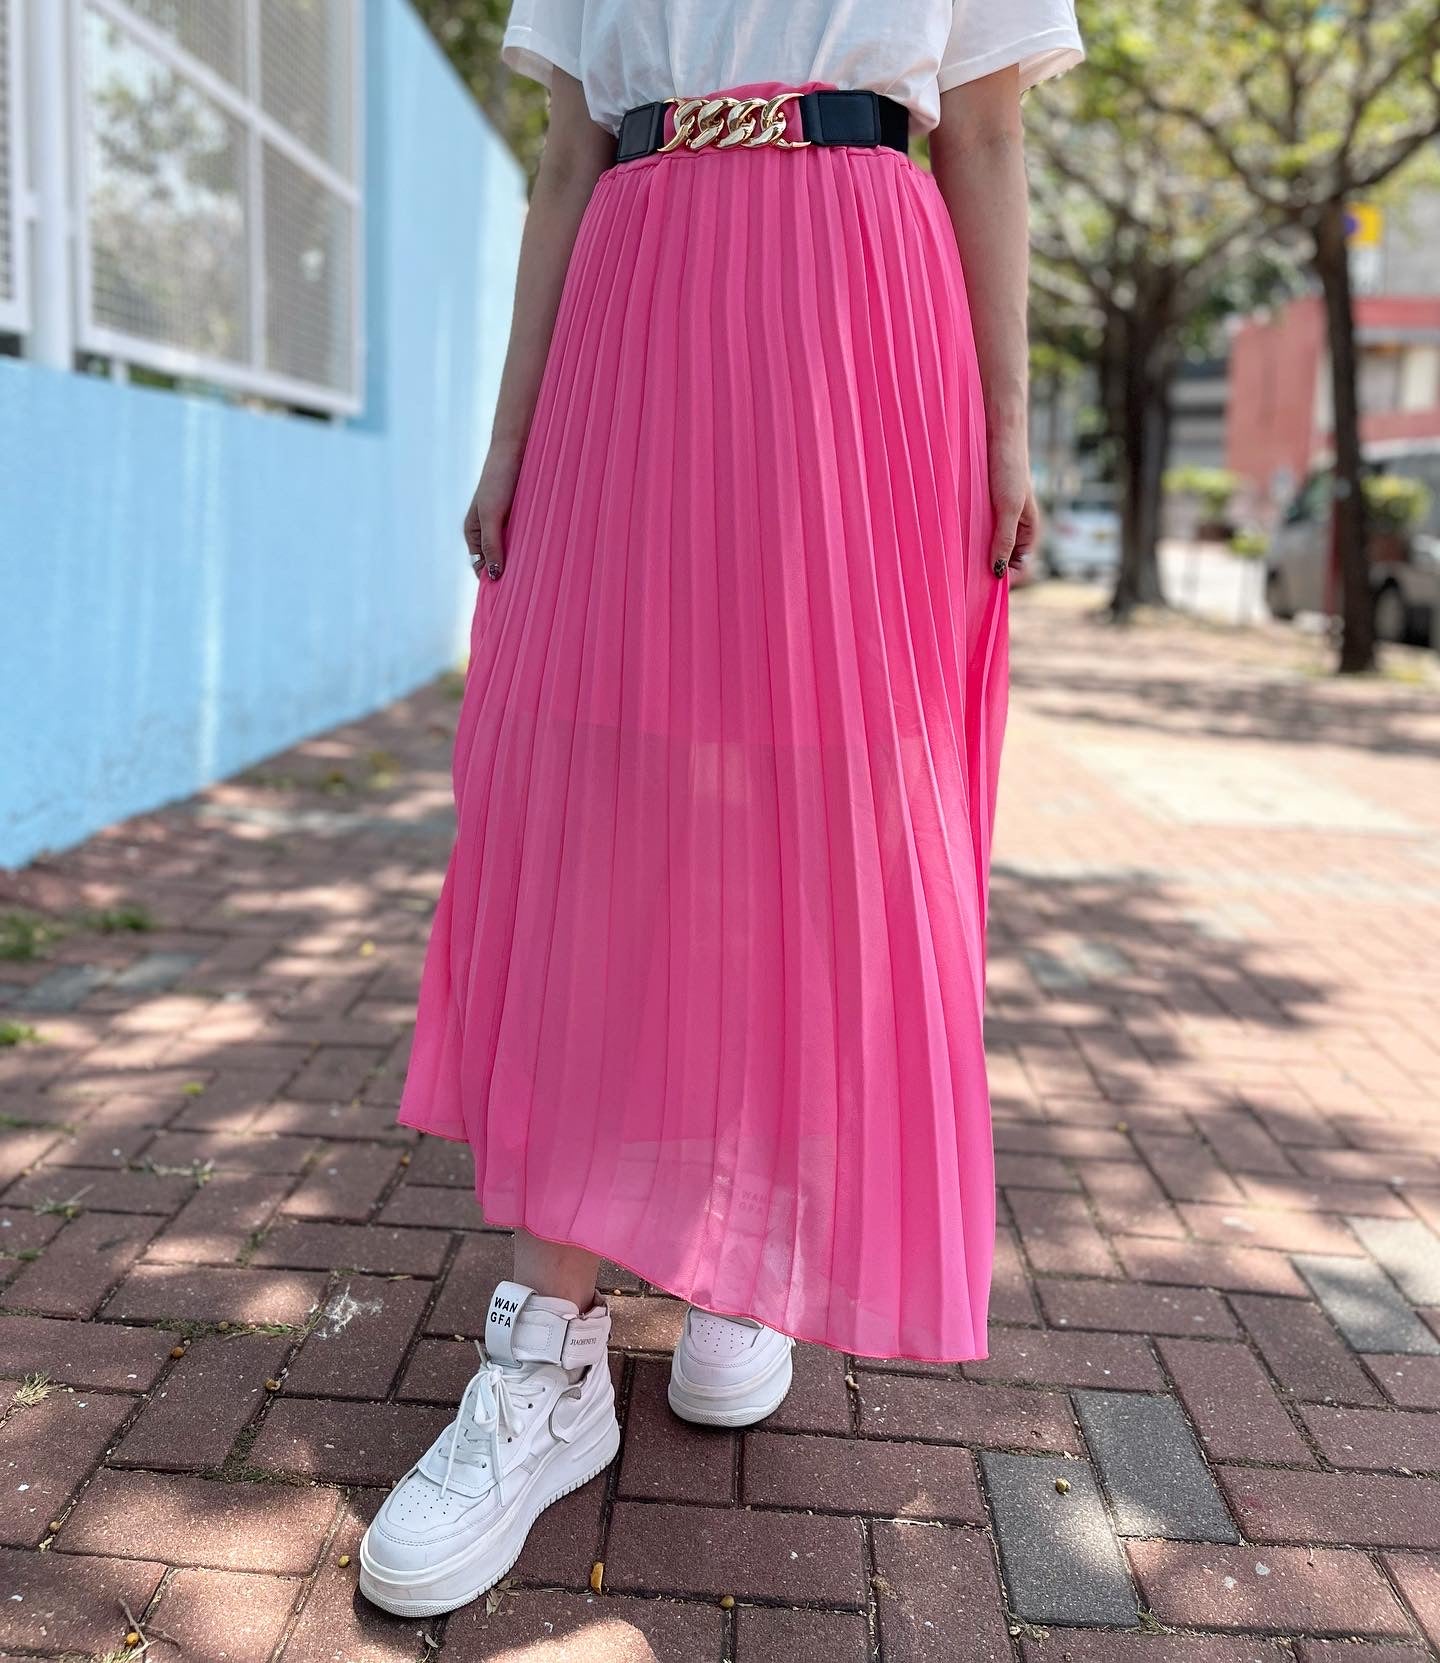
{"x": 1209, "y": 1427}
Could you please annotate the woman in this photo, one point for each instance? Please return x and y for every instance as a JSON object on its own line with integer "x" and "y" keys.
{"x": 705, "y": 984}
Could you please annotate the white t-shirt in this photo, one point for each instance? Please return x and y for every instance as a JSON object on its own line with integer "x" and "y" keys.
{"x": 628, "y": 52}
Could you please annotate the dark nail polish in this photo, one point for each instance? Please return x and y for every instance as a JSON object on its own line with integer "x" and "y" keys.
{"x": 494, "y": 572}
{"x": 1000, "y": 568}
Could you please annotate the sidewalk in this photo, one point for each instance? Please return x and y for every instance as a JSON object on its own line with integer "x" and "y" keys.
{"x": 1209, "y": 1427}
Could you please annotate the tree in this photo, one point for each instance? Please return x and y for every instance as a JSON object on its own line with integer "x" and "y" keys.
{"x": 469, "y": 32}
{"x": 1308, "y": 105}
{"x": 1135, "y": 222}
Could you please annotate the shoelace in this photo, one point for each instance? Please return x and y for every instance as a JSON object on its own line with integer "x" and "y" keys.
{"x": 492, "y": 1412}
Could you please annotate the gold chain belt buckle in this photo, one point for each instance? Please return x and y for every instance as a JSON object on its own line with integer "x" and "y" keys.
{"x": 729, "y": 123}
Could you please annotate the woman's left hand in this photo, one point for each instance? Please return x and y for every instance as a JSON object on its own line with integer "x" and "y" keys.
{"x": 1017, "y": 513}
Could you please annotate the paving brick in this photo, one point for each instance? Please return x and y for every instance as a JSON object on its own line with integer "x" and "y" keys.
{"x": 1408, "y": 1250}
{"x": 1302, "y": 1351}
{"x": 195, "y": 1415}
{"x": 962, "y": 1411}
{"x": 1129, "y": 1308}
{"x": 1365, "y": 1305}
{"x": 22, "y": 1231}
{"x": 369, "y": 1247}
{"x": 566, "y": 1539}
{"x": 234, "y": 1616}
{"x": 646, "y": 1322}
{"x": 1012, "y": 1298}
{"x": 1152, "y": 1469}
{"x": 231, "y": 1153}
{"x": 79, "y": 1267}
{"x": 438, "y": 1371}
{"x": 1255, "y": 1227}
{"x": 1074, "y": 1645}
{"x": 79, "y": 1354}
{"x": 1340, "y": 1509}
{"x": 1412, "y": 1382}
{"x": 1232, "y": 1402}
{"x": 442, "y": 1161}
{"x": 346, "y": 1182}
{"x": 847, "y": 1475}
{"x": 1418, "y": 1580}
{"x": 177, "y": 1292}
{"x": 1347, "y": 1651}
{"x": 937, "y": 1584}
{"x": 435, "y": 1207}
{"x": 1186, "y": 1168}
{"x": 1128, "y": 1199}
{"x": 1068, "y": 1359}
{"x": 1033, "y": 1172}
{"x": 46, "y": 1451}
{"x": 763, "y": 1634}
{"x": 1208, "y": 1265}
{"x": 1058, "y": 1555}
{"x": 184, "y": 1520}
{"x": 665, "y": 1458}
{"x": 218, "y": 1220}
{"x": 818, "y": 1399}
{"x": 1058, "y": 1233}
{"x": 337, "y": 1624}
{"x": 1309, "y": 1590}
{"x": 345, "y": 1443}
{"x": 54, "y": 1603}
{"x": 359, "y": 1340}
{"x": 20, "y": 1148}
{"x": 1376, "y": 1438}
{"x": 1318, "y": 1196}
{"x": 658, "y": 1547}
{"x": 548, "y": 1627}
{"x": 121, "y": 1191}
{"x": 464, "y": 1300}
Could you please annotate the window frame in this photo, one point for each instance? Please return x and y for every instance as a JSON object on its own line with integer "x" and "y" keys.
{"x": 15, "y": 308}
{"x": 260, "y": 128}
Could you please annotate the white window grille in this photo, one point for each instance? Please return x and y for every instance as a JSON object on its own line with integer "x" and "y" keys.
{"x": 14, "y": 313}
{"x": 217, "y": 157}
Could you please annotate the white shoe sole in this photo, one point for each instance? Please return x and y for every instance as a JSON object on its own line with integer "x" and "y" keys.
{"x": 435, "y": 1589}
{"x": 741, "y": 1405}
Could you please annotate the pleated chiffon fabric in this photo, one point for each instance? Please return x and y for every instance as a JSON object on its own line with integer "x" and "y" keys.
{"x": 704, "y": 989}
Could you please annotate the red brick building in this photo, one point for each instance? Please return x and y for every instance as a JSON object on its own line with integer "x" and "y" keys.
{"x": 1279, "y": 406}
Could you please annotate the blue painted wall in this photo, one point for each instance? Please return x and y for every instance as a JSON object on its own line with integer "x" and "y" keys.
{"x": 185, "y": 586}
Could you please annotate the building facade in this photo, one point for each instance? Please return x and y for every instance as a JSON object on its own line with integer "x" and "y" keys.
{"x": 256, "y": 266}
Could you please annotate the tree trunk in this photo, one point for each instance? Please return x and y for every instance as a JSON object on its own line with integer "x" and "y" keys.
{"x": 1145, "y": 369}
{"x": 1332, "y": 264}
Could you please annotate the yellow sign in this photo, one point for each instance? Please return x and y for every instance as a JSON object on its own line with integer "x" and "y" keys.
{"x": 1364, "y": 224}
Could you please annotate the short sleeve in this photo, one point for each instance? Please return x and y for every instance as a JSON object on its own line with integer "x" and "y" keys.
{"x": 1041, "y": 36}
{"x": 542, "y": 36}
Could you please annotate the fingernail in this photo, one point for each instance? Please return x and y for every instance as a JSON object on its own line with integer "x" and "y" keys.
{"x": 494, "y": 570}
{"x": 1000, "y": 568}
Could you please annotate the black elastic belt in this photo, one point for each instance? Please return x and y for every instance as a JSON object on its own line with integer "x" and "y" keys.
{"x": 832, "y": 117}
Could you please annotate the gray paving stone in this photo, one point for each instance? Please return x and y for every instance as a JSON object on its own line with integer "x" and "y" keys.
{"x": 154, "y": 972}
{"x": 63, "y": 989}
{"x": 1157, "y": 1479}
{"x": 1408, "y": 1250}
{"x": 1060, "y": 1560}
{"x": 1365, "y": 1305}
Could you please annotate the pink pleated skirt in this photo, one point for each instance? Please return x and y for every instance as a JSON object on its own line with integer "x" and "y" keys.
{"x": 704, "y": 989}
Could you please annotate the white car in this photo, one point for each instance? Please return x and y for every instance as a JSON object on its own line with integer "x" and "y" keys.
{"x": 1083, "y": 535}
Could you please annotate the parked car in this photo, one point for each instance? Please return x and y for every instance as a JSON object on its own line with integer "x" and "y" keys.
{"x": 1404, "y": 569}
{"x": 1082, "y": 537}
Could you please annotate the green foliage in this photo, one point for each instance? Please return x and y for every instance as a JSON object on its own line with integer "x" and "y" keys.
{"x": 1304, "y": 102}
{"x": 1395, "y": 502}
{"x": 469, "y": 33}
{"x": 18, "y": 1033}
{"x": 1212, "y": 487}
{"x": 25, "y": 935}
{"x": 1249, "y": 543}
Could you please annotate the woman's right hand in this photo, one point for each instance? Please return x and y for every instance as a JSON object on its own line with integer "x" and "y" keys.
{"x": 490, "y": 509}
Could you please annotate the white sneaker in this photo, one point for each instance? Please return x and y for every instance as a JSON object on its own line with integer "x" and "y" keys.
{"x": 728, "y": 1371}
{"x": 536, "y": 1422}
